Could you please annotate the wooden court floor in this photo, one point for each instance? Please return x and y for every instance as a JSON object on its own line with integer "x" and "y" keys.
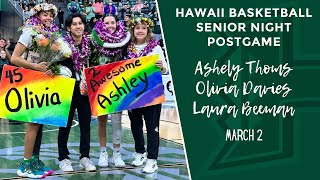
{"x": 171, "y": 161}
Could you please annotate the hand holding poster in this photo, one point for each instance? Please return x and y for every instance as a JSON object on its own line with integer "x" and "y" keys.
{"x": 124, "y": 85}
{"x": 30, "y": 96}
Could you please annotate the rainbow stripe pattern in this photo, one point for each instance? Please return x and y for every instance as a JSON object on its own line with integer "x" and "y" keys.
{"x": 30, "y": 96}
{"x": 124, "y": 85}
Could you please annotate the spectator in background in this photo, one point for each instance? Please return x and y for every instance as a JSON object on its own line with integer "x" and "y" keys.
{"x": 136, "y": 9}
{"x": 98, "y": 5}
{"x": 153, "y": 10}
{"x": 110, "y": 9}
{"x": 26, "y": 13}
{"x": 32, "y": 3}
{"x": 4, "y": 45}
{"x": 25, "y": 2}
{"x": 3, "y": 60}
{"x": 156, "y": 29}
{"x": 61, "y": 17}
{"x": 128, "y": 9}
{"x": 127, "y": 19}
{"x": 121, "y": 11}
{"x": 145, "y": 10}
{"x": 90, "y": 12}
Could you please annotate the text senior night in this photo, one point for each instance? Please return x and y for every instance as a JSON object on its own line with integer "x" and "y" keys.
{"x": 208, "y": 27}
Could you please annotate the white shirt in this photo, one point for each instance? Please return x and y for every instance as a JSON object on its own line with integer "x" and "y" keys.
{"x": 156, "y": 50}
{"x": 26, "y": 40}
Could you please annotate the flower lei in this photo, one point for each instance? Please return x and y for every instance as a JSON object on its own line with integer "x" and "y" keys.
{"x": 135, "y": 21}
{"x": 44, "y": 7}
{"x": 79, "y": 58}
{"x": 37, "y": 27}
{"x": 118, "y": 36}
{"x": 132, "y": 52}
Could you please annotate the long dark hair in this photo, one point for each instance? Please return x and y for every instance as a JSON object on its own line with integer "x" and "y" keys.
{"x": 109, "y": 15}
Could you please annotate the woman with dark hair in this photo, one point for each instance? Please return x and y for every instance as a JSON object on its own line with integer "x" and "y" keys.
{"x": 39, "y": 24}
{"x": 114, "y": 38}
{"x": 80, "y": 47}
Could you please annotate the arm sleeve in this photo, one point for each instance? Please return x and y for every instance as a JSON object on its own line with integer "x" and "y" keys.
{"x": 26, "y": 38}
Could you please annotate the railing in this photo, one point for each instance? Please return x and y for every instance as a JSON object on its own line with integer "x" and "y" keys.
{"x": 17, "y": 8}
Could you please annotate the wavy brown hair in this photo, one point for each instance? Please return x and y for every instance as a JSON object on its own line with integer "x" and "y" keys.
{"x": 149, "y": 36}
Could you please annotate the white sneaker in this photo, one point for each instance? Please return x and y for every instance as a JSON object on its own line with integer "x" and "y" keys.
{"x": 65, "y": 165}
{"x": 103, "y": 160}
{"x": 151, "y": 166}
{"x": 117, "y": 160}
{"x": 139, "y": 159}
{"x": 87, "y": 164}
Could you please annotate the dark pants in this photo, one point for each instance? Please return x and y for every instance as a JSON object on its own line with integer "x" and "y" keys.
{"x": 151, "y": 115}
{"x": 81, "y": 103}
{"x": 60, "y": 22}
{"x": 37, "y": 143}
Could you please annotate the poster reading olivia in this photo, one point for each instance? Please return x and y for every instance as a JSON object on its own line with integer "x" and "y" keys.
{"x": 30, "y": 96}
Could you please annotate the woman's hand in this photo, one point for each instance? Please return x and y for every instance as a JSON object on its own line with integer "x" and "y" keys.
{"x": 159, "y": 64}
{"x": 48, "y": 73}
{"x": 41, "y": 66}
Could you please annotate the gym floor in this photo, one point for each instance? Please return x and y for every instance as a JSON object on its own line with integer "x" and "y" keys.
{"x": 172, "y": 162}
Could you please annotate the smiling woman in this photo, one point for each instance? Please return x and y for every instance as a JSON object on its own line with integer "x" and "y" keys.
{"x": 110, "y": 37}
{"x": 40, "y": 24}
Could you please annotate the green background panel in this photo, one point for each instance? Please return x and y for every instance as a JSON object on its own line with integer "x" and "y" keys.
{"x": 290, "y": 145}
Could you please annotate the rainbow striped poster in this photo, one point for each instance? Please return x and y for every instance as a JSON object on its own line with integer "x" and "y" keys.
{"x": 30, "y": 96}
{"x": 124, "y": 85}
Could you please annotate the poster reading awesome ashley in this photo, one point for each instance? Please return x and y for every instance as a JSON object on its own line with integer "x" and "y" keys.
{"x": 124, "y": 85}
{"x": 30, "y": 96}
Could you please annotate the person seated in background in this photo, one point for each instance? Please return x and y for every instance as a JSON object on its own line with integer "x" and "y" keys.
{"x": 4, "y": 45}
{"x": 110, "y": 9}
{"x": 61, "y": 18}
{"x": 89, "y": 10}
{"x": 137, "y": 7}
{"x": 99, "y": 7}
{"x": 127, "y": 9}
{"x": 3, "y": 61}
{"x": 127, "y": 19}
{"x": 121, "y": 9}
{"x": 26, "y": 13}
{"x": 145, "y": 10}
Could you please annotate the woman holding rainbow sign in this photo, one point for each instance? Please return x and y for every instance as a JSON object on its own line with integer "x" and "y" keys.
{"x": 40, "y": 24}
{"x": 143, "y": 44}
{"x": 110, "y": 37}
